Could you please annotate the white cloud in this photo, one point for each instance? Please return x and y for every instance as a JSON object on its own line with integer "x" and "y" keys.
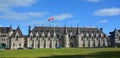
{"x": 63, "y": 16}
{"x": 22, "y": 16}
{"x": 12, "y": 3}
{"x": 7, "y": 11}
{"x": 108, "y": 12}
{"x": 93, "y": 0}
{"x": 103, "y": 21}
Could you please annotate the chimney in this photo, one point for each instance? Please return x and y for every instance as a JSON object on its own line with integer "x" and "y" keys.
{"x": 29, "y": 29}
{"x": 101, "y": 29}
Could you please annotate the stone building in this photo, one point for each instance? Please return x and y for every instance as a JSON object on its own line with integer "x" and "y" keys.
{"x": 115, "y": 38}
{"x": 10, "y": 38}
{"x": 52, "y": 37}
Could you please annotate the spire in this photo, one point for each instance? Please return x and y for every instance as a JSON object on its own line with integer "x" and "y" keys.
{"x": 65, "y": 30}
{"x": 78, "y": 31}
{"x": 29, "y": 28}
{"x": 18, "y": 29}
{"x": 42, "y": 28}
{"x": 115, "y": 28}
{"x": 10, "y": 27}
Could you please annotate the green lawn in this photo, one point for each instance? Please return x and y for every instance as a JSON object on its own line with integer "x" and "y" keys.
{"x": 64, "y": 53}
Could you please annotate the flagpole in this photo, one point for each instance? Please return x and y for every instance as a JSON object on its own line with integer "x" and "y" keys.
{"x": 54, "y": 34}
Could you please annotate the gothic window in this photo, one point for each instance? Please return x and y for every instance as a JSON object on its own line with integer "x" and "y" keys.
{"x": 16, "y": 38}
{"x": 73, "y": 36}
{"x": 52, "y": 36}
{"x": 49, "y": 38}
{"x": 4, "y": 39}
{"x": 31, "y": 37}
{"x": 57, "y": 36}
{"x": 97, "y": 38}
{"x": 43, "y": 38}
{"x": 94, "y": 35}
{"x": 34, "y": 35}
{"x": 37, "y": 38}
{"x": 82, "y": 38}
{"x": 90, "y": 36}
{"x": 99, "y": 35}
{"x": 39, "y": 35}
{"x": 19, "y": 44}
{"x": 13, "y": 44}
{"x": 116, "y": 34}
{"x": 60, "y": 39}
{"x": 87, "y": 38}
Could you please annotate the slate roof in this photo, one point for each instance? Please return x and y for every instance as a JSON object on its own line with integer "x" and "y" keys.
{"x": 4, "y": 29}
{"x": 61, "y": 30}
{"x": 19, "y": 31}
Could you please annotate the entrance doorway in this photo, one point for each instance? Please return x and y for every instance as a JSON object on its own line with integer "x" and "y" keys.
{"x": 3, "y": 45}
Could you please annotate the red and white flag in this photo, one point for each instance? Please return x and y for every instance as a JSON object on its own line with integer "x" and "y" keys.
{"x": 51, "y": 19}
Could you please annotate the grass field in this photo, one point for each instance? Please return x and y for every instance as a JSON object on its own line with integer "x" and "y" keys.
{"x": 64, "y": 53}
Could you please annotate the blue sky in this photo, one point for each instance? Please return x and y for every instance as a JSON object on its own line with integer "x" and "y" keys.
{"x": 94, "y": 13}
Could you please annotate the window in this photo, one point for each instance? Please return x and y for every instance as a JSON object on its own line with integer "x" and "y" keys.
{"x": 89, "y": 35}
{"x": 19, "y": 44}
{"x": 45, "y": 35}
{"x": 31, "y": 38}
{"x": 3, "y": 39}
{"x": 57, "y": 36}
{"x": 87, "y": 38}
{"x": 13, "y": 44}
{"x": 16, "y": 37}
{"x": 39, "y": 35}
{"x": 99, "y": 35}
{"x": 94, "y": 35}
{"x": 52, "y": 36}
{"x": 37, "y": 38}
{"x": 49, "y": 38}
{"x": 92, "y": 38}
{"x": 82, "y": 38}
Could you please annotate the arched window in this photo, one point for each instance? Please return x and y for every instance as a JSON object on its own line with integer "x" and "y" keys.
{"x": 16, "y": 37}
{"x": 31, "y": 37}
{"x": 37, "y": 38}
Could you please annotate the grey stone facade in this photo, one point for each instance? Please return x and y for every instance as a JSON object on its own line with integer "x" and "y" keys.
{"x": 10, "y": 38}
{"x": 115, "y": 38}
{"x": 53, "y": 37}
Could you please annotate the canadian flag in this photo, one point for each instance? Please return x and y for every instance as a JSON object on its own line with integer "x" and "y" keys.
{"x": 51, "y": 19}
